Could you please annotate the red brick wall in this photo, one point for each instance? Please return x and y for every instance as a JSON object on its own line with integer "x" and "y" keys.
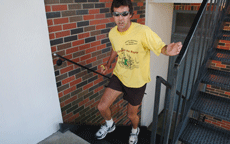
{"x": 78, "y": 30}
{"x": 218, "y": 65}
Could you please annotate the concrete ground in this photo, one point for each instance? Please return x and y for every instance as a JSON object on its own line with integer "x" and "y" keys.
{"x": 63, "y": 138}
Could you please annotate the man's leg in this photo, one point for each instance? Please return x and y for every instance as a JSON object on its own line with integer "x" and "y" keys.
{"x": 106, "y": 101}
{"x": 132, "y": 115}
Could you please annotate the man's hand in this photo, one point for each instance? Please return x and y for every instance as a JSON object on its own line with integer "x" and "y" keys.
{"x": 104, "y": 68}
{"x": 173, "y": 49}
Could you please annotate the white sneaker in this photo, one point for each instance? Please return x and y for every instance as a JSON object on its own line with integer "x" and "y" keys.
{"x": 104, "y": 130}
{"x": 133, "y": 139}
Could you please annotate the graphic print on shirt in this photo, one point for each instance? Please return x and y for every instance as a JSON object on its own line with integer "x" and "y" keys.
{"x": 128, "y": 59}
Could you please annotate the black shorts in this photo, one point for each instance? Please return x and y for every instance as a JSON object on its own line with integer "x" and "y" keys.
{"x": 133, "y": 95}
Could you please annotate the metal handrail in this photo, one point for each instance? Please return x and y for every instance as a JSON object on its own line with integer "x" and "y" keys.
{"x": 204, "y": 45}
{"x": 191, "y": 33}
{"x": 80, "y": 65}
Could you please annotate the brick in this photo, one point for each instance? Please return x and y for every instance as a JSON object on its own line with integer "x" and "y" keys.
{"x": 100, "y": 5}
{"x": 99, "y": 89}
{"x": 73, "y": 72}
{"x": 89, "y": 28}
{"x": 105, "y": 30}
{"x": 66, "y": 69}
{"x": 105, "y": 41}
{"x": 90, "y": 50}
{"x": 96, "y": 53}
{"x": 74, "y": 6}
{"x": 78, "y": 42}
{"x": 76, "y": 31}
{"x": 108, "y": 5}
{"x": 93, "y": 33}
{"x": 75, "y": 93}
{"x": 64, "y": 46}
{"x": 71, "y": 50}
{"x": 55, "y": 28}
{"x": 83, "y": 102}
{"x": 65, "y": 81}
{"x": 79, "y": 53}
{"x": 88, "y": 17}
{"x": 69, "y": 90}
{"x": 105, "y": 10}
{"x": 68, "y": 13}
{"x": 88, "y": 86}
{"x": 59, "y": 7}
{"x": 82, "y": 12}
{"x": 51, "y": 1}
{"x": 63, "y": 87}
{"x": 75, "y": 18}
{"x": 93, "y": 0}
{"x": 50, "y": 22}
{"x": 95, "y": 43}
{"x": 94, "y": 11}
{"x": 66, "y": 1}
{"x": 84, "y": 46}
{"x": 78, "y": 1}
{"x": 227, "y": 93}
{"x": 101, "y": 47}
{"x": 64, "y": 108}
{"x": 88, "y": 6}
{"x": 85, "y": 57}
{"x": 101, "y": 36}
{"x": 78, "y": 110}
{"x": 62, "y": 34}
{"x": 83, "y": 23}
{"x": 51, "y": 36}
{"x": 53, "y": 15}
{"x": 58, "y": 84}
{"x": 91, "y": 60}
{"x": 84, "y": 35}
{"x": 102, "y": 26}
{"x": 106, "y": 50}
{"x": 69, "y": 26}
{"x": 56, "y": 41}
{"x": 48, "y": 8}
{"x": 75, "y": 82}
{"x": 90, "y": 39}
{"x": 100, "y": 16}
{"x": 70, "y": 38}
{"x": 82, "y": 84}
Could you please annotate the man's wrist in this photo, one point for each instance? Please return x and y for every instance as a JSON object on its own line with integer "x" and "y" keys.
{"x": 166, "y": 50}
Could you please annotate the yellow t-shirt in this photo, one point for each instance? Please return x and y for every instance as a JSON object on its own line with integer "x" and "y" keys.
{"x": 133, "y": 48}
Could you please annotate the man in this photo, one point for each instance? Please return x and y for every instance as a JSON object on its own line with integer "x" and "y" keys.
{"x": 132, "y": 43}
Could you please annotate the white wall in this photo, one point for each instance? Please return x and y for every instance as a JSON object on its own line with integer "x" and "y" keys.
{"x": 159, "y": 19}
{"x": 29, "y": 105}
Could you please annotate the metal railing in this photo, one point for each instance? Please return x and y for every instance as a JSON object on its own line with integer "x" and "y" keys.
{"x": 200, "y": 43}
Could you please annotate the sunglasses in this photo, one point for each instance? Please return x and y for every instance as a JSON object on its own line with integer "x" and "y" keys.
{"x": 125, "y": 13}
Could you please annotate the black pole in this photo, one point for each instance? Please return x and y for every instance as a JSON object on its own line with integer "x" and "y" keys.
{"x": 81, "y": 65}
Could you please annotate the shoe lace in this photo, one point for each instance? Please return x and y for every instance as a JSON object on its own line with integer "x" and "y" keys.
{"x": 104, "y": 128}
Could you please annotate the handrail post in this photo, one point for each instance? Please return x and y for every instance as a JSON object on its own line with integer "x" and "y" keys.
{"x": 156, "y": 110}
{"x": 171, "y": 105}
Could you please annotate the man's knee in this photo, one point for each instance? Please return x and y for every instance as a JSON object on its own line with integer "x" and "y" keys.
{"x": 132, "y": 116}
{"x": 102, "y": 107}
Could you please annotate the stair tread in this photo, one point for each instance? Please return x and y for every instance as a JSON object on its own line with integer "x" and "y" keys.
{"x": 119, "y": 136}
{"x": 224, "y": 35}
{"x": 218, "y": 107}
{"x": 197, "y": 132}
{"x": 221, "y": 55}
{"x": 217, "y": 78}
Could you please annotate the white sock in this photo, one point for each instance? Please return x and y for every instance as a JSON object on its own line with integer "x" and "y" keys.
{"x": 134, "y": 131}
{"x": 109, "y": 122}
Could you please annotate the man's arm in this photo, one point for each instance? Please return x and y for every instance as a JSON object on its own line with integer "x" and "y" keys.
{"x": 111, "y": 58}
{"x": 172, "y": 49}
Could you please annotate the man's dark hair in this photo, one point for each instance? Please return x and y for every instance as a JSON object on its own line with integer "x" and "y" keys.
{"x": 118, "y": 3}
